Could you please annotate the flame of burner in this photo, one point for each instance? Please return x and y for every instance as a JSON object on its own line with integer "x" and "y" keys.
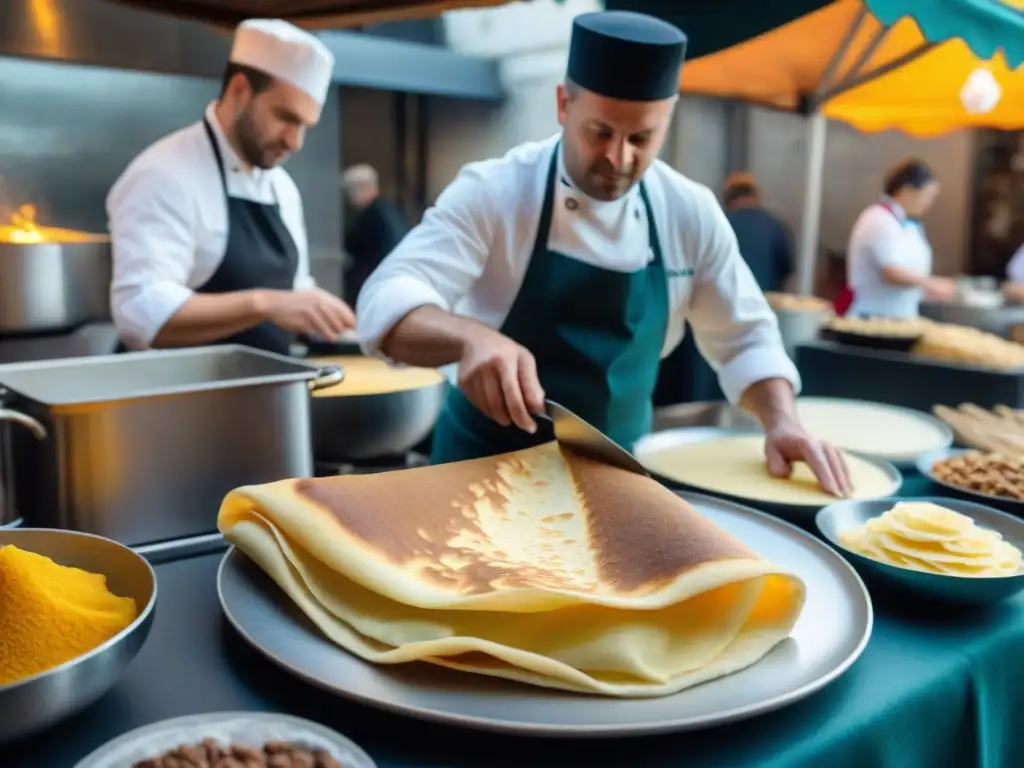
{"x": 24, "y": 226}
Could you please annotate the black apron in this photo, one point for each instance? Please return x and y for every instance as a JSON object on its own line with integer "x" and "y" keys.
{"x": 260, "y": 253}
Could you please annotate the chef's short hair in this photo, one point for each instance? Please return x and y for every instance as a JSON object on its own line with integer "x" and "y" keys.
{"x": 357, "y": 177}
{"x": 738, "y": 186}
{"x": 914, "y": 173}
{"x": 258, "y": 81}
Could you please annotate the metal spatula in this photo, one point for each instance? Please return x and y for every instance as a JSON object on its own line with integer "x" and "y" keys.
{"x": 585, "y": 439}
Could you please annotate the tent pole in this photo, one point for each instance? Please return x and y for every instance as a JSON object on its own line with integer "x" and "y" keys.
{"x": 859, "y": 79}
{"x": 810, "y": 223}
{"x": 817, "y": 128}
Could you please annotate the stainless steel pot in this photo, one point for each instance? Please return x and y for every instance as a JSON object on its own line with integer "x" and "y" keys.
{"x": 10, "y": 514}
{"x": 142, "y": 448}
{"x": 54, "y": 286}
{"x": 800, "y": 326}
{"x": 359, "y": 427}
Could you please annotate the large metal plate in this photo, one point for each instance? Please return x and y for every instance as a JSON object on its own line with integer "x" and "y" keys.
{"x": 723, "y": 414}
{"x": 801, "y": 513}
{"x": 829, "y": 636}
{"x": 926, "y": 462}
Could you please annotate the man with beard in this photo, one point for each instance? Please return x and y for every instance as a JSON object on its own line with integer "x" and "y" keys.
{"x": 569, "y": 267}
{"x": 208, "y": 233}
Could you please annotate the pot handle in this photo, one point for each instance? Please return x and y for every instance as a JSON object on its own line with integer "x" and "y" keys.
{"x": 327, "y": 376}
{"x": 33, "y": 426}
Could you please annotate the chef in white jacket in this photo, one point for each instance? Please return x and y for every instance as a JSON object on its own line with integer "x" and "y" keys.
{"x": 208, "y": 233}
{"x": 567, "y": 268}
{"x": 889, "y": 259}
{"x": 1013, "y": 288}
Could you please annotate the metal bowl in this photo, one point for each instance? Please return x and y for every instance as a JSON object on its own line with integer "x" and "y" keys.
{"x": 39, "y": 701}
{"x": 926, "y": 462}
{"x": 360, "y": 427}
{"x": 718, "y": 413}
{"x": 844, "y": 515}
{"x": 799, "y": 514}
{"x": 252, "y": 728}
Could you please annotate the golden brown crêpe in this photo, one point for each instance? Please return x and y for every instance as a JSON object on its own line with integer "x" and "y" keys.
{"x": 540, "y": 566}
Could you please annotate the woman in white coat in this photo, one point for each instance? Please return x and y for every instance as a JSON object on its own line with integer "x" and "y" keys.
{"x": 889, "y": 260}
{"x": 1013, "y": 288}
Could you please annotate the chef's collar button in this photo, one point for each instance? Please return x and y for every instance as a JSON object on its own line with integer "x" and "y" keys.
{"x": 571, "y": 203}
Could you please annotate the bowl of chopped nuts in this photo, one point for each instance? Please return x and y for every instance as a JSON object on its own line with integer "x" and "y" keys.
{"x": 218, "y": 739}
{"x": 997, "y": 478}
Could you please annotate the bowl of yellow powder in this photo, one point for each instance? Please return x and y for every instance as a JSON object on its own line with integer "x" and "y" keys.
{"x": 74, "y": 611}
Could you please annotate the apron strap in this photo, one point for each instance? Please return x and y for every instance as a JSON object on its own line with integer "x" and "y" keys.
{"x": 216, "y": 155}
{"x": 546, "y": 215}
{"x": 653, "y": 241}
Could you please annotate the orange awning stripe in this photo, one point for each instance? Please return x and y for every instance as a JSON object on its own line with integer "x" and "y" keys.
{"x": 922, "y": 98}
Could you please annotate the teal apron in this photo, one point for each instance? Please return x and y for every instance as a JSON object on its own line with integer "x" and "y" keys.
{"x": 597, "y": 337}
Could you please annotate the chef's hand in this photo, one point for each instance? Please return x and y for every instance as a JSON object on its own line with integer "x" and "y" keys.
{"x": 785, "y": 445}
{"x": 940, "y": 289}
{"x": 313, "y": 312}
{"x": 500, "y": 378}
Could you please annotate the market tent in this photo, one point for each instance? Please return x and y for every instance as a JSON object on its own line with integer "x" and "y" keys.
{"x": 986, "y": 25}
{"x": 312, "y": 14}
{"x": 845, "y": 61}
{"x": 903, "y": 68}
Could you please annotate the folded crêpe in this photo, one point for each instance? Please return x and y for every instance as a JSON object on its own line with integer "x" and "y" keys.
{"x": 540, "y": 566}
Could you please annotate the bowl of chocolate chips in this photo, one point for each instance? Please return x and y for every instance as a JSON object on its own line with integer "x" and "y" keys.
{"x": 230, "y": 740}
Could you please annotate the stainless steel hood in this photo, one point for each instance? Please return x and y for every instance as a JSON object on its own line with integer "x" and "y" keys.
{"x": 314, "y": 14}
{"x": 193, "y": 37}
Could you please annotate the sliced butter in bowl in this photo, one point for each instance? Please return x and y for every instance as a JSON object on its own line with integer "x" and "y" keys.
{"x": 942, "y": 549}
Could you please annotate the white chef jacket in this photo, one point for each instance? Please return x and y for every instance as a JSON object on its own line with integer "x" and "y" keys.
{"x": 1015, "y": 268}
{"x": 169, "y": 225}
{"x": 470, "y": 253}
{"x": 882, "y": 238}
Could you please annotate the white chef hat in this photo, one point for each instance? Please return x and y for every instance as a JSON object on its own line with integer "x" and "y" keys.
{"x": 286, "y": 52}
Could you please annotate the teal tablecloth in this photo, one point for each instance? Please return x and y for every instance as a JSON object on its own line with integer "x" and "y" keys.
{"x": 936, "y": 687}
{"x": 932, "y": 690}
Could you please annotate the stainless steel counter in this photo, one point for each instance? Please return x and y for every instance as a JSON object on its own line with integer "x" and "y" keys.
{"x": 897, "y": 378}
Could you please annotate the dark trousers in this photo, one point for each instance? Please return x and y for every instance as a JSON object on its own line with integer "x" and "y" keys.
{"x": 686, "y": 377}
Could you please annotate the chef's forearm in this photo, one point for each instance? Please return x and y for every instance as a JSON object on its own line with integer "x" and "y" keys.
{"x": 1014, "y": 291}
{"x": 429, "y": 336}
{"x": 900, "y": 276}
{"x": 210, "y": 317}
{"x": 772, "y": 401}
